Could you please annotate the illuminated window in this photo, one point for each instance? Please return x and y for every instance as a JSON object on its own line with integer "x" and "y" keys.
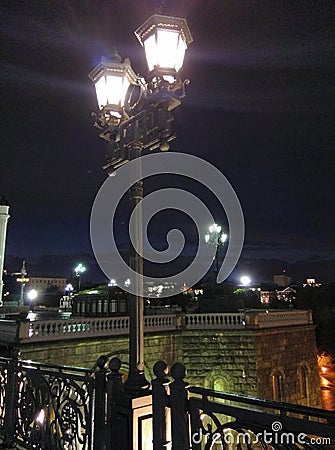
{"x": 303, "y": 377}
{"x": 112, "y": 306}
{"x": 277, "y": 379}
{"x": 218, "y": 384}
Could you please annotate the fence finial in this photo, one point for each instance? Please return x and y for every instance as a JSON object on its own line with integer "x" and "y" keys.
{"x": 160, "y": 369}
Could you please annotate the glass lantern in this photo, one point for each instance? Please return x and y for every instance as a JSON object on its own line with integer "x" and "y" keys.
{"x": 165, "y": 40}
{"x": 112, "y": 79}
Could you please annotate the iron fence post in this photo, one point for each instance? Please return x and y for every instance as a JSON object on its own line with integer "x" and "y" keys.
{"x": 99, "y": 442}
{"x": 160, "y": 411}
{"x": 114, "y": 388}
{"x": 179, "y": 406}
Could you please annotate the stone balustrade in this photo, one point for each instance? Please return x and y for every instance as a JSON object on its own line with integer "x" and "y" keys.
{"x": 226, "y": 321}
{"x": 89, "y": 327}
{"x": 270, "y": 319}
{"x": 51, "y": 330}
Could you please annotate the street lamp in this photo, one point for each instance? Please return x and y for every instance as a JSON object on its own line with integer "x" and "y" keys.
{"x": 135, "y": 115}
{"x": 23, "y": 279}
{"x": 32, "y": 295}
{"x": 216, "y": 239}
{"x": 245, "y": 280}
{"x": 79, "y": 270}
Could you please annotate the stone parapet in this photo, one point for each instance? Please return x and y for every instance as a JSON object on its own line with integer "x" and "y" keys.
{"x": 84, "y": 327}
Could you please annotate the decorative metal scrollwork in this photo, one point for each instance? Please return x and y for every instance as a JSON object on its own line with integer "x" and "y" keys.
{"x": 53, "y": 409}
{"x": 3, "y": 382}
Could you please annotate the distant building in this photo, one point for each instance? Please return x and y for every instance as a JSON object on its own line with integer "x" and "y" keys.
{"x": 44, "y": 284}
{"x": 311, "y": 282}
{"x": 100, "y": 301}
{"x": 287, "y": 295}
{"x": 282, "y": 280}
{"x": 267, "y": 297}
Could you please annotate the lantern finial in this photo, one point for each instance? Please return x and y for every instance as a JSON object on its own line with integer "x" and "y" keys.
{"x": 114, "y": 56}
{"x": 163, "y": 9}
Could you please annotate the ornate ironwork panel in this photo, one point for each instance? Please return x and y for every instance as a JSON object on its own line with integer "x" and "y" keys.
{"x": 221, "y": 420}
{"x": 3, "y": 383}
{"x": 53, "y": 407}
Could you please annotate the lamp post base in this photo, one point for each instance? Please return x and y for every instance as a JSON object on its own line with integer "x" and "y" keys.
{"x": 136, "y": 383}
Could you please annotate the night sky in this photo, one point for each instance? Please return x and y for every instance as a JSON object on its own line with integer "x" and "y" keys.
{"x": 260, "y": 107}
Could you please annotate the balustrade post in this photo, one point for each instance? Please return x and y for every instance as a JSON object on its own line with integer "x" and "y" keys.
{"x": 161, "y": 414}
{"x": 11, "y": 400}
{"x": 179, "y": 406}
{"x": 100, "y": 405}
{"x": 114, "y": 388}
{"x": 180, "y": 321}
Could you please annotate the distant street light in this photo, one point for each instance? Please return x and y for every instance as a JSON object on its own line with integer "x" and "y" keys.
{"x": 135, "y": 115}
{"x": 216, "y": 239}
{"x": 79, "y": 270}
{"x": 245, "y": 280}
{"x": 32, "y": 295}
{"x": 68, "y": 289}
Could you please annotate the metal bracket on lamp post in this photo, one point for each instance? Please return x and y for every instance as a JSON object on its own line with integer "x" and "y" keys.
{"x": 152, "y": 127}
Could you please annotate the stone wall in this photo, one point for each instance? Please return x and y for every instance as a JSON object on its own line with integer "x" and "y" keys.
{"x": 226, "y": 359}
{"x": 239, "y": 361}
{"x": 287, "y": 351}
{"x": 84, "y": 353}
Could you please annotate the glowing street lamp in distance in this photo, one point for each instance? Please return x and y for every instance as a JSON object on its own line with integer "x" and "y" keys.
{"x": 69, "y": 288}
{"x": 245, "y": 280}
{"x": 79, "y": 269}
{"x": 32, "y": 294}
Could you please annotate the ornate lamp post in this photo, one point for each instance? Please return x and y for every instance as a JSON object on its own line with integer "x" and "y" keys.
{"x": 22, "y": 280}
{"x": 134, "y": 115}
{"x": 79, "y": 270}
{"x": 216, "y": 239}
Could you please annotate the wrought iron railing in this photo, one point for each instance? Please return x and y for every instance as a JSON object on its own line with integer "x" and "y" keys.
{"x": 202, "y": 419}
{"x": 63, "y": 408}
{"x": 45, "y": 406}
{"x": 222, "y": 418}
